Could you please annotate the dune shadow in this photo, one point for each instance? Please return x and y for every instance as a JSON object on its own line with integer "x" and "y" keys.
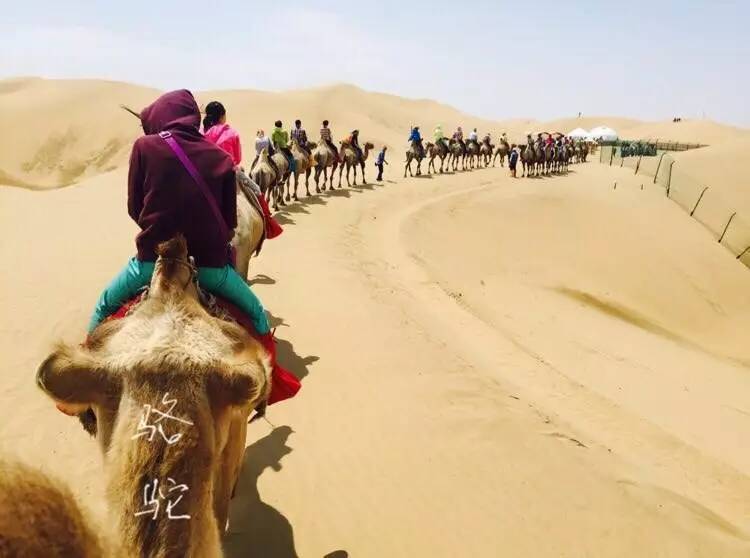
{"x": 261, "y": 279}
{"x": 287, "y": 356}
{"x": 342, "y": 192}
{"x": 368, "y": 186}
{"x": 283, "y": 219}
{"x": 257, "y": 529}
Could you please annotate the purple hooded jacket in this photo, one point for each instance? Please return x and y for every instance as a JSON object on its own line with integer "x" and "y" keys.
{"x": 162, "y": 197}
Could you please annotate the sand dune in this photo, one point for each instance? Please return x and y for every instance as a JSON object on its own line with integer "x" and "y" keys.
{"x": 687, "y": 131}
{"x": 533, "y": 368}
{"x": 721, "y": 167}
{"x": 91, "y": 135}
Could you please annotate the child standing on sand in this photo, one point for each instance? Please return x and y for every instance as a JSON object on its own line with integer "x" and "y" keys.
{"x": 513, "y": 160}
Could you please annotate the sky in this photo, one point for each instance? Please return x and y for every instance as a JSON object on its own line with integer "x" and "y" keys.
{"x": 496, "y": 59}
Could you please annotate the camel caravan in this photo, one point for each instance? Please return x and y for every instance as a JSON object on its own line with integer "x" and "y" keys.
{"x": 180, "y": 355}
{"x": 548, "y": 155}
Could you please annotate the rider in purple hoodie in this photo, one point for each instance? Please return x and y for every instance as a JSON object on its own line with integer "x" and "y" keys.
{"x": 164, "y": 200}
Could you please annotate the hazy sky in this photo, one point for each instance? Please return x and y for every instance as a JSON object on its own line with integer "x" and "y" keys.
{"x": 649, "y": 59}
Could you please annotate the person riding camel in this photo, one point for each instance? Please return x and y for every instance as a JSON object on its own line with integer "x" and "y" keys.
{"x": 415, "y": 139}
{"x": 300, "y": 136}
{"x": 353, "y": 141}
{"x": 473, "y": 135}
{"x": 458, "y": 136}
{"x": 217, "y": 131}
{"x": 487, "y": 139}
{"x": 438, "y": 135}
{"x": 327, "y": 138}
{"x": 280, "y": 139}
{"x": 165, "y": 199}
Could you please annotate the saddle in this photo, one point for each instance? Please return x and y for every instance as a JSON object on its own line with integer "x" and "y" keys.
{"x": 246, "y": 187}
{"x": 284, "y": 384}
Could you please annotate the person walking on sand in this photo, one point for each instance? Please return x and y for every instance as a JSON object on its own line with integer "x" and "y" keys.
{"x": 217, "y": 131}
{"x": 513, "y": 160}
{"x": 379, "y": 162}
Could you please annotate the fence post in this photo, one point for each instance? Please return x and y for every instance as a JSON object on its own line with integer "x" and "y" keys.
{"x": 669, "y": 178}
{"x": 743, "y": 252}
{"x": 611, "y": 155}
{"x": 658, "y": 167}
{"x": 638, "y": 164}
{"x": 725, "y": 228}
{"x": 699, "y": 200}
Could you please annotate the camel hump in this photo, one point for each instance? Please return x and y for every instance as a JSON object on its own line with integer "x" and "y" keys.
{"x": 174, "y": 248}
{"x": 37, "y": 514}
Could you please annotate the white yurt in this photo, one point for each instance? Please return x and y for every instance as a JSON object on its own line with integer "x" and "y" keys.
{"x": 603, "y": 133}
{"x": 579, "y": 133}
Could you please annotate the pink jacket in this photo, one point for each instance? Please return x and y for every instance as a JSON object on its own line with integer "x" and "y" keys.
{"x": 228, "y": 139}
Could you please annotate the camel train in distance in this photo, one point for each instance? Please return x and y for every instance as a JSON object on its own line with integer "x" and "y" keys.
{"x": 536, "y": 159}
{"x": 276, "y": 182}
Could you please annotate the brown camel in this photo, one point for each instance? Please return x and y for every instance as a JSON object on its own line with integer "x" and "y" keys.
{"x": 472, "y": 153}
{"x": 485, "y": 152}
{"x": 436, "y": 150}
{"x": 414, "y": 153}
{"x": 39, "y": 516}
{"x": 250, "y": 224}
{"x": 265, "y": 176}
{"x": 303, "y": 165}
{"x": 502, "y": 151}
{"x": 457, "y": 153}
{"x": 171, "y": 388}
{"x": 350, "y": 159}
{"x": 324, "y": 157}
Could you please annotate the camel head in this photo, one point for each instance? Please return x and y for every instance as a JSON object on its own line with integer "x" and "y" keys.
{"x": 168, "y": 356}
{"x": 369, "y": 145}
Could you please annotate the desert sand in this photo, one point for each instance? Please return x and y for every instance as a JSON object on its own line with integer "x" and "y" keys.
{"x": 490, "y": 367}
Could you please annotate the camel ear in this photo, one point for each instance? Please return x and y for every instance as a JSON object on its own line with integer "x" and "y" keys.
{"x": 236, "y": 386}
{"x": 71, "y": 375}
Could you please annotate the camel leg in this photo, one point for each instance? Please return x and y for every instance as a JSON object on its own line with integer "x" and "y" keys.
{"x": 317, "y": 180}
{"x": 307, "y": 181}
{"x": 362, "y": 168}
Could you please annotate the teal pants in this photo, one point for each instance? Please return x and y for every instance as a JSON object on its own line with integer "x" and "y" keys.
{"x": 220, "y": 281}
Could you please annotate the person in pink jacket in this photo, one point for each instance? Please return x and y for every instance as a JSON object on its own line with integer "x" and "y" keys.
{"x": 217, "y": 131}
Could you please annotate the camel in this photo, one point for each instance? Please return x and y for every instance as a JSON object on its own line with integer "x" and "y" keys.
{"x": 472, "y": 153}
{"x": 324, "y": 157}
{"x": 457, "y": 152}
{"x": 414, "y": 153}
{"x": 302, "y": 165}
{"x": 250, "y": 226}
{"x": 485, "y": 152}
{"x": 528, "y": 159}
{"x": 39, "y": 516}
{"x": 436, "y": 150}
{"x": 502, "y": 151}
{"x": 167, "y": 493}
{"x": 264, "y": 175}
{"x": 349, "y": 159}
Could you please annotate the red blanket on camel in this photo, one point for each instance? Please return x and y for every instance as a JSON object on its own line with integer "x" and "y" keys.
{"x": 283, "y": 383}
